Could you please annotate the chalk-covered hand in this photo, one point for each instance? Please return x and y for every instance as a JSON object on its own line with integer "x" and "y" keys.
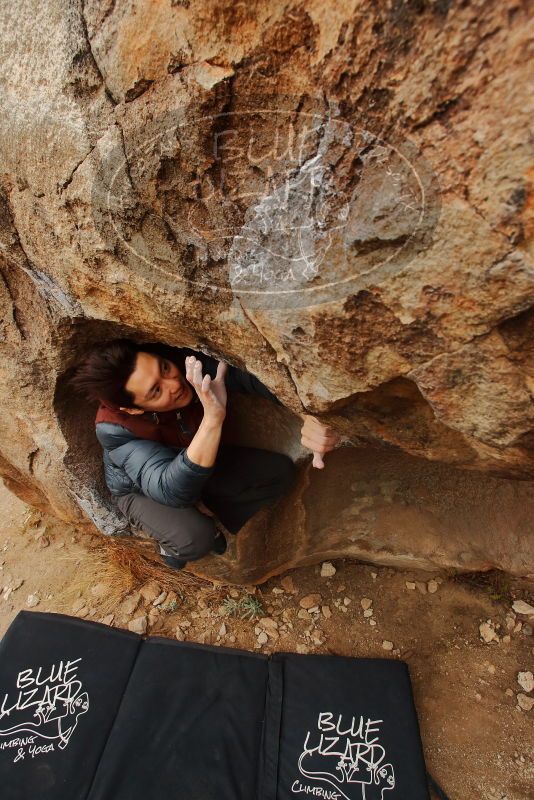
{"x": 212, "y": 392}
{"x": 319, "y": 438}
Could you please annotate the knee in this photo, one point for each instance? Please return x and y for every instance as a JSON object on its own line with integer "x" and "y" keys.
{"x": 202, "y": 537}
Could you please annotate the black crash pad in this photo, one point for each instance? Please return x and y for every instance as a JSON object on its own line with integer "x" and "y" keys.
{"x": 89, "y": 712}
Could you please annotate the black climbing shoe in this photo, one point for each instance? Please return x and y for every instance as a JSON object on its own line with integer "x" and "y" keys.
{"x": 172, "y": 561}
{"x": 175, "y": 563}
{"x": 219, "y": 543}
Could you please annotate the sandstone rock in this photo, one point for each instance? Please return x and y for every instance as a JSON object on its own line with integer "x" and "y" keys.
{"x": 108, "y": 619}
{"x": 78, "y": 605}
{"x": 33, "y": 600}
{"x": 138, "y": 624}
{"x": 153, "y": 617}
{"x": 129, "y": 604}
{"x": 327, "y": 569}
{"x": 405, "y": 325}
{"x": 179, "y": 634}
{"x": 524, "y": 608}
{"x": 487, "y": 632}
{"x": 160, "y": 599}
{"x": 366, "y": 603}
{"x": 410, "y": 585}
{"x": 310, "y": 600}
{"x": 432, "y": 586}
{"x": 526, "y": 681}
{"x": 269, "y": 626}
{"x": 262, "y": 638}
{"x": 387, "y": 645}
{"x": 368, "y": 613}
{"x": 525, "y": 703}
{"x": 510, "y": 621}
{"x": 149, "y": 591}
{"x": 268, "y": 623}
{"x": 326, "y": 612}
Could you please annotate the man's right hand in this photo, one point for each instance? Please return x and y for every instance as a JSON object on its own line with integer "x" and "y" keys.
{"x": 212, "y": 393}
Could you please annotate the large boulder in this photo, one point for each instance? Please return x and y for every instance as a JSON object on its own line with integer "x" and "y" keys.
{"x": 335, "y": 197}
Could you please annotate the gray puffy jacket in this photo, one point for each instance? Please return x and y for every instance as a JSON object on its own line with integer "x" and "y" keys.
{"x": 164, "y": 473}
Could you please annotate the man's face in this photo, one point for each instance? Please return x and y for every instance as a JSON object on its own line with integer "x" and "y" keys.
{"x": 157, "y": 385}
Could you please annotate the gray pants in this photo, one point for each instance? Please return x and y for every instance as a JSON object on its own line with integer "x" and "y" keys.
{"x": 244, "y": 480}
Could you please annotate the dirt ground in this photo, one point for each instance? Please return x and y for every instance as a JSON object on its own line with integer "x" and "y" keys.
{"x": 478, "y": 742}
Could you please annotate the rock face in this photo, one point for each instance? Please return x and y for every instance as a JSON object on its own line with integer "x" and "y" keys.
{"x": 334, "y": 197}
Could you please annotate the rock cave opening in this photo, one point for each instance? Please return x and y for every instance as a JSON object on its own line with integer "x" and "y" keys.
{"x": 251, "y": 421}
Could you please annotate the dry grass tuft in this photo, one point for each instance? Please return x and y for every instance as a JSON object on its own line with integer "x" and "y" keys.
{"x": 139, "y": 560}
{"x": 98, "y": 569}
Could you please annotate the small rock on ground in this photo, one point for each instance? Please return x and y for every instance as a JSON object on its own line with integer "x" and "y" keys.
{"x": 310, "y": 600}
{"x": 526, "y": 681}
{"x": 327, "y": 569}
{"x": 138, "y": 625}
{"x": 33, "y": 600}
{"x": 521, "y": 607}
{"x": 525, "y": 703}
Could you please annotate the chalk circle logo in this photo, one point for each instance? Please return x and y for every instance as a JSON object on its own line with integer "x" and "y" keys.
{"x": 42, "y": 711}
{"x": 343, "y": 760}
{"x": 280, "y": 207}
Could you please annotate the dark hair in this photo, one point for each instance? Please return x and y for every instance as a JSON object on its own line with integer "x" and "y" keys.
{"x": 104, "y": 371}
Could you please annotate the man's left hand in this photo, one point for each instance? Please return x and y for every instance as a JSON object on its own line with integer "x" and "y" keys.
{"x": 319, "y": 438}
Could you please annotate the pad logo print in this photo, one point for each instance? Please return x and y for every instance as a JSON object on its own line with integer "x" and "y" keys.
{"x": 43, "y": 710}
{"x": 348, "y": 757}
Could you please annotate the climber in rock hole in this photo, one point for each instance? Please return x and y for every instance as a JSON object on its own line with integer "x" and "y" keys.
{"x": 160, "y": 423}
